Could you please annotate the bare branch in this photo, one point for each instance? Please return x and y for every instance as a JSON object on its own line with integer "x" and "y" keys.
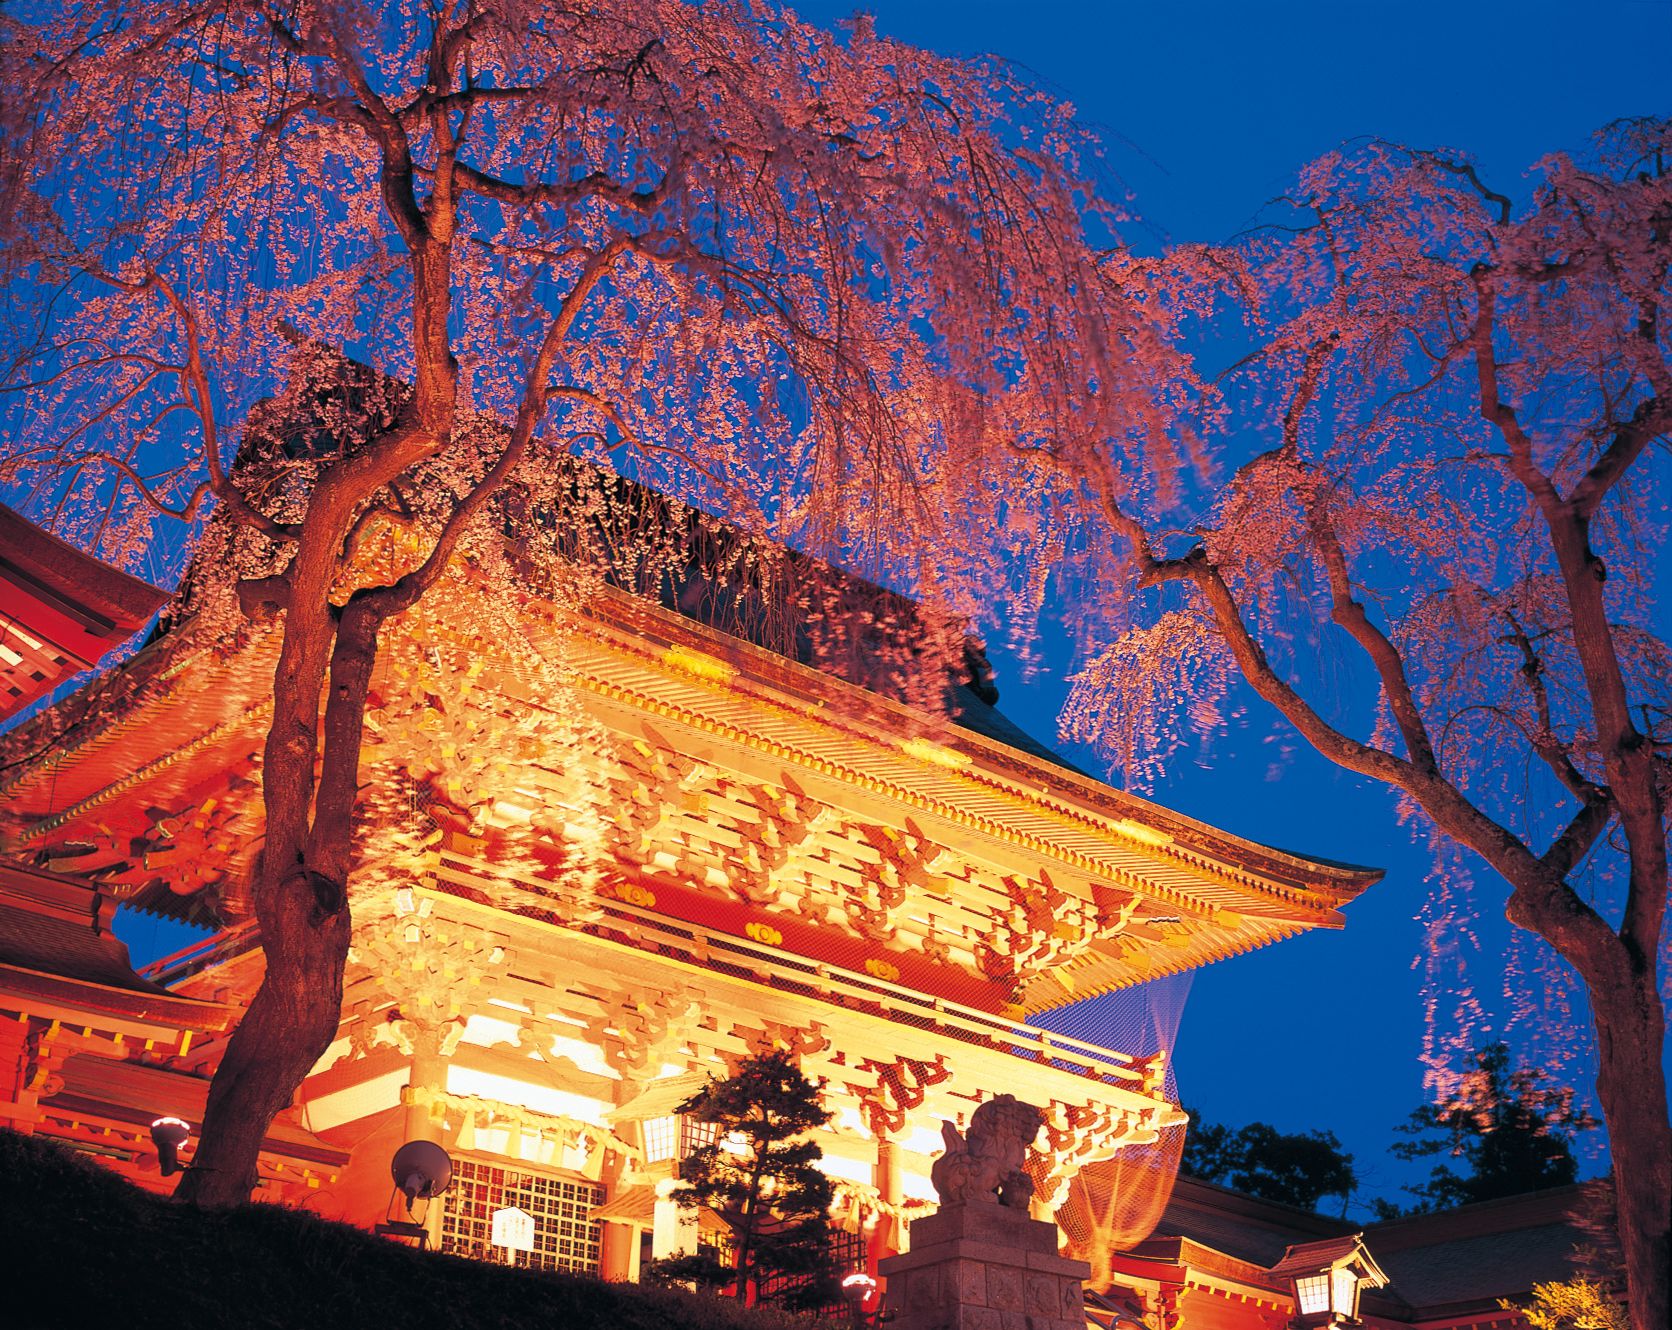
{"x": 1467, "y": 171}
{"x": 1652, "y": 417}
{"x": 537, "y": 390}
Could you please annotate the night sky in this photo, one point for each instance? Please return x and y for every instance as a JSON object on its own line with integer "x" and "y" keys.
{"x": 1209, "y": 108}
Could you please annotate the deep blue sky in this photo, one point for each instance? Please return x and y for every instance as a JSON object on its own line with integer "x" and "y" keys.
{"x": 1219, "y": 102}
{"x": 1209, "y": 108}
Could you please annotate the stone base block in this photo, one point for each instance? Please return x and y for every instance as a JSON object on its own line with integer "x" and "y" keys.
{"x": 983, "y": 1267}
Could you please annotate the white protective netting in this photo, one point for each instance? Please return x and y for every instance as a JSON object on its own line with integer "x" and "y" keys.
{"x": 1115, "y": 1203}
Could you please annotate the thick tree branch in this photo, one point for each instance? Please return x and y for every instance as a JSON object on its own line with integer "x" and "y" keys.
{"x": 388, "y": 600}
{"x": 1540, "y": 896}
{"x": 396, "y": 177}
{"x": 1583, "y": 830}
{"x": 594, "y": 185}
{"x": 1626, "y": 754}
{"x": 263, "y": 598}
{"x": 1262, "y": 676}
{"x": 1345, "y": 608}
{"x": 1652, "y": 417}
{"x": 353, "y": 654}
{"x": 1466, "y": 170}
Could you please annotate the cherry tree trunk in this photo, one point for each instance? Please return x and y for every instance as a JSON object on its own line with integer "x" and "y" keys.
{"x": 1631, "y": 1085}
{"x": 300, "y": 896}
{"x": 290, "y": 1023}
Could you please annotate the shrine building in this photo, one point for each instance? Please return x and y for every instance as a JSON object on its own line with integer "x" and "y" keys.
{"x": 61, "y": 612}
{"x": 612, "y": 843}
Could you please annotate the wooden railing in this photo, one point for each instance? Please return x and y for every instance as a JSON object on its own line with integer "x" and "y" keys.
{"x": 771, "y": 964}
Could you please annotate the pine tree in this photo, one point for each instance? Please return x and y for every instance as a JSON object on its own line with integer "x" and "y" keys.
{"x": 761, "y": 1176}
{"x": 1292, "y": 1168}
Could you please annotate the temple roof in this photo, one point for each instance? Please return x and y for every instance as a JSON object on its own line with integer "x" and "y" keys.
{"x": 820, "y": 791}
{"x": 1437, "y": 1264}
{"x": 636, "y": 1205}
{"x": 1344, "y": 1252}
{"x": 764, "y": 772}
{"x": 58, "y": 955}
{"x": 1241, "y": 1226}
{"x": 1482, "y": 1252}
{"x": 661, "y": 1098}
{"x": 61, "y": 611}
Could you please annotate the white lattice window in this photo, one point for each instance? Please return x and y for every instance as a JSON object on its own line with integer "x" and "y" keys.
{"x": 565, "y": 1236}
{"x": 659, "y": 1137}
{"x": 694, "y": 1134}
{"x": 1314, "y": 1294}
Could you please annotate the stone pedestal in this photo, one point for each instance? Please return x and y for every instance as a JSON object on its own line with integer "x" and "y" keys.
{"x": 984, "y": 1267}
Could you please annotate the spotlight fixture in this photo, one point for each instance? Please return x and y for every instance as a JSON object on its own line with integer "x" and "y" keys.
{"x": 857, "y": 1289}
{"x": 421, "y": 1169}
{"x": 168, "y": 1134}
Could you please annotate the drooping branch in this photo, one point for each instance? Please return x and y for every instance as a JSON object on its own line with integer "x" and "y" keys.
{"x": 1543, "y": 737}
{"x": 196, "y": 376}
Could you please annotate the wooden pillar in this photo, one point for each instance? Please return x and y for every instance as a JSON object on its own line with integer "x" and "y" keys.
{"x": 14, "y": 1042}
{"x": 619, "y": 1259}
{"x": 889, "y": 1235}
{"x": 39, "y": 1058}
{"x": 427, "y": 1071}
{"x": 675, "y": 1229}
{"x": 888, "y": 1178}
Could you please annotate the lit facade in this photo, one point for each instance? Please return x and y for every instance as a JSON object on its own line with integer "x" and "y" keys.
{"x": 610, "y": 850}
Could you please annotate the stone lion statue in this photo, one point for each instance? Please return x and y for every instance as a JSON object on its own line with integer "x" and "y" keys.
{"x": 987, "y": 1165}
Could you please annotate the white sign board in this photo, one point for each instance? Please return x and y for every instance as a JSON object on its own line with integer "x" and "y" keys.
{"x": 513, "y": 1229}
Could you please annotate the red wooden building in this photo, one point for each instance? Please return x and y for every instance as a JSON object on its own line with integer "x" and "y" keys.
{"x": 61, "y": 612}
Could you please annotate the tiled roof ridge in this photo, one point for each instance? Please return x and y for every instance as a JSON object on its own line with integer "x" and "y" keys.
{"x": 1501, "y": 1214}
{"x": 1213, "y": 1195}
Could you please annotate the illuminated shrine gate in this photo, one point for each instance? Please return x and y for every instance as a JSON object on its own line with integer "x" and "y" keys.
{"x": 611, "y": 850}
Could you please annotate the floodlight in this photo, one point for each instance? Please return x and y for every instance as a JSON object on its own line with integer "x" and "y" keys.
{"x": 857, "y": 1289}
{"x": 168, "y": 1134}
{"x": 421, "y": 1169}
